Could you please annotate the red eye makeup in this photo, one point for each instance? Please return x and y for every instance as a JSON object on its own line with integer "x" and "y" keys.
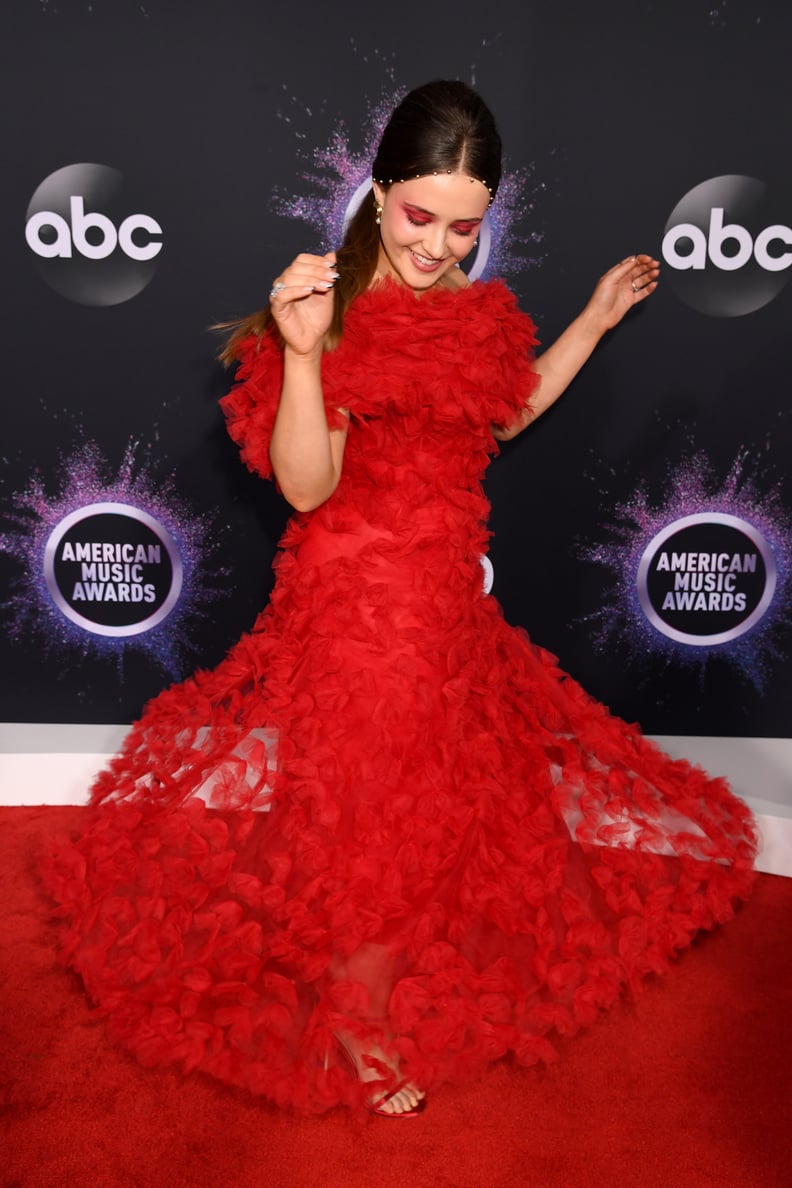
{"x": 422, "y": 218}
{"x": 467, "y": 227}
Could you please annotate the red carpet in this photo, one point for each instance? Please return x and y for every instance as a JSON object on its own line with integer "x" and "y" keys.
{"x": 690, "y": 1086}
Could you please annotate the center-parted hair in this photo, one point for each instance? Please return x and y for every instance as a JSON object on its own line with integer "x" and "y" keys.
{"x": 443, "y": 126}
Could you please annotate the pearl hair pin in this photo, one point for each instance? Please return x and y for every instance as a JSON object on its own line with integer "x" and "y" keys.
{"x": 435, "y": 173}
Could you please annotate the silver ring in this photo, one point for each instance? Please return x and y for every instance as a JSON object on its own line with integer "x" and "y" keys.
{"x": 635, "y": 288}
{"x": 278, "y": 287}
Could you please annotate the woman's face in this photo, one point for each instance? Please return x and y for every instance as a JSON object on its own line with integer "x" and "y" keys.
{"x": 428, "y": 225}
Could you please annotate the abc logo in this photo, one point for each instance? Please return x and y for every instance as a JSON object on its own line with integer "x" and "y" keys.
{"x": 728, "y": 247}
{"x": 87, "y": 244}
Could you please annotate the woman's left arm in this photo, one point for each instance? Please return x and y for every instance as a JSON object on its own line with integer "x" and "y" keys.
{"x": 623, "y": 286}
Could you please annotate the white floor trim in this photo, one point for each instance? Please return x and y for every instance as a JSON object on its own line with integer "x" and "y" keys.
{"x": 56, "y": 763}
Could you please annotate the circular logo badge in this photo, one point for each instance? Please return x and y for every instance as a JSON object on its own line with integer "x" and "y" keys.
{"x": 86, "y": 242}
{"x": 489, "y": 574}
{"x": 113, "y": 569}
{"x": 706, "y": 579}
{"x": 728, "y": 246}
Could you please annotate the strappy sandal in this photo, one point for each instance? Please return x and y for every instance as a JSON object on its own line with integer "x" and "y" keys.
{"x": 376, "y": 1105}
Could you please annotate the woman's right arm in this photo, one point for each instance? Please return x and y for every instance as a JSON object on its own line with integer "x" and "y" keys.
{"x": 306, "y": 454}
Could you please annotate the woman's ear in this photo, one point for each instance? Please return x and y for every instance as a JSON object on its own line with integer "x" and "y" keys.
{"x": 379, "y": 193}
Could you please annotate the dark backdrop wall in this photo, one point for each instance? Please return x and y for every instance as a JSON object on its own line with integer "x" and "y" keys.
{"x": 220, "y": 138}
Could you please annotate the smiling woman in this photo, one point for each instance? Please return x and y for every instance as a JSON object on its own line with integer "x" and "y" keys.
{"x": 464, "y": 854}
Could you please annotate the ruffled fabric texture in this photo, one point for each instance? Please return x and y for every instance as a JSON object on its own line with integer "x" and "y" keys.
{"x": 387, "y": 812}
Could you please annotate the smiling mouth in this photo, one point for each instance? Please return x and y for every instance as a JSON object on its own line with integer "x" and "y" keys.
{"x": 425, "y": 262}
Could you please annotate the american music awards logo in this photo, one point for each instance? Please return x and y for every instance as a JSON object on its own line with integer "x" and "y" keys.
{"x": 703, "y": 572}
{"x": 108, "y": 562}
{"x": 707, "y": 578}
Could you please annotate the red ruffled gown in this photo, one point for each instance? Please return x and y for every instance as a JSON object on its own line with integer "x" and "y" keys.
{"x": 386, "y": 811}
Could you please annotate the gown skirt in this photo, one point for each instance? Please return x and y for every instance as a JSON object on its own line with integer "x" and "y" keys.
{"x": 387, "y": 813}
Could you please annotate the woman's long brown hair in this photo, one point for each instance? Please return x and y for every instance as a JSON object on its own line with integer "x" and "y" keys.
{"x": 356, "y": 261}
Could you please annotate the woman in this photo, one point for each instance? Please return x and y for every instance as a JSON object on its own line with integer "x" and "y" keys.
{"x": 463, "y": 853}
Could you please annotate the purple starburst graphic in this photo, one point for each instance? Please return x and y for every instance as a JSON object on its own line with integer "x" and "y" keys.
{"x": 85, "y": 480}
{"x": 693, "y": 490}
{"x": 339, "y": 178}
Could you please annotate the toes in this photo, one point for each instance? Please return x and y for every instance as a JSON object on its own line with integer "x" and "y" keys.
{"x": 401, "y": 1103}
{"x": 408, "y": 1098}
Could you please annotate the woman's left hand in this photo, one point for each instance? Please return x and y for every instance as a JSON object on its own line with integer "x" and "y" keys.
{"x": 623, "y": 286}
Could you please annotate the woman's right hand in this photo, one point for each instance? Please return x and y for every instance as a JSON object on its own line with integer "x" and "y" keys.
{"x": 302, "y": 301}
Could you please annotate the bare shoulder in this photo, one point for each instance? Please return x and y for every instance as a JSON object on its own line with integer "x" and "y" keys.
{"x": 455, "y": 278}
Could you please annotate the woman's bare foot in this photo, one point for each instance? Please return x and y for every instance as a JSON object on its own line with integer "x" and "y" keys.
{"x": 404, "y": 1099}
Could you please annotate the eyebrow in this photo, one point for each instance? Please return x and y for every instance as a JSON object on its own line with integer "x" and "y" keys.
{"x": 431, "y": 213}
